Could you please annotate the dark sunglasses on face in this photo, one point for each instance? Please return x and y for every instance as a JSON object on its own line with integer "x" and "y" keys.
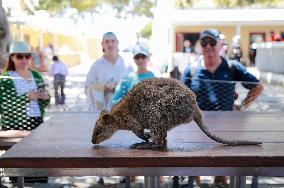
{"x": 212, "y": 43}
{"x": 22, "y": 56}
{"x": 138, "y": 56}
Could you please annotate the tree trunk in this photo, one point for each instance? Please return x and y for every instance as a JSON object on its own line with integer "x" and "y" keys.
{"x": 5, "y": 38}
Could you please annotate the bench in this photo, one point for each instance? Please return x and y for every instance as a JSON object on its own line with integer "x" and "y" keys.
{"x": 10, "y": 138}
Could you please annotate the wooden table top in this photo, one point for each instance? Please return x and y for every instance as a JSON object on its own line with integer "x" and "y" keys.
{"x": 65, "y": 142}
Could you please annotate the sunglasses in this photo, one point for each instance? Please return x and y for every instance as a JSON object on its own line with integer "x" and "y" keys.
{"x": 212, "y": 43}
{"x": 138, "y": 56}
{"x": 22, "y": 56}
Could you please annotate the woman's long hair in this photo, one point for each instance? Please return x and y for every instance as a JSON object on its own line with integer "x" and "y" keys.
{"x": 10, "y": 65}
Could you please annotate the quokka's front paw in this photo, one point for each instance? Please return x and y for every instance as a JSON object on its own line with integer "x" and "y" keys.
{"x": 147, "y": 135}
{"x": 146, "y": 145}
{"x": 141, "y": 145}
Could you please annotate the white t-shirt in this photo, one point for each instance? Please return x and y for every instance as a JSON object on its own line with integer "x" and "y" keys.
{"x": 58, "y": 68}
{"x": 103, "y": 72}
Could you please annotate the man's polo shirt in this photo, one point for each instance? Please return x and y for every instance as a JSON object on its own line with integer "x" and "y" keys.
{"x": 215, "y": 91}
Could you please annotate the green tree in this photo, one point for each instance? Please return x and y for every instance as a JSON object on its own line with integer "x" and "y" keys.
{"x": 245, "y": 3}
{"x": 182, "y": 4}
{"x": 146, "y": 31}
{"x": 122, "y": 7}
{"x": 139, "y": 7}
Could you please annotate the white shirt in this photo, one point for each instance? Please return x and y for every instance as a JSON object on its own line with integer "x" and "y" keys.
{"x": 58, "y": 68}
{"x": 103, "y": 72}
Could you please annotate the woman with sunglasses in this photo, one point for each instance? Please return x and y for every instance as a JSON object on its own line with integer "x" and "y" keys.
{"x": 141, "y": 59}
{"x": 22, "y": 95}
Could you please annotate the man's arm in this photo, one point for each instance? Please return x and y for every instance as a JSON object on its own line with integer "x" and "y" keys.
{"x": 251, "y": 96}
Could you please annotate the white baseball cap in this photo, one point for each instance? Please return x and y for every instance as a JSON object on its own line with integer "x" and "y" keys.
{"x": 19, "y": 47}
{"x": 141, "y": 49}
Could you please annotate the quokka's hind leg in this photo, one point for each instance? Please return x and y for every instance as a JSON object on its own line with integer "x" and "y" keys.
{"x": 158, "y": 140}
{"x": 141, "y": 134}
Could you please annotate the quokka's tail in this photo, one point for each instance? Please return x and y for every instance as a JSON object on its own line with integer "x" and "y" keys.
{"x": 204, "y": 128}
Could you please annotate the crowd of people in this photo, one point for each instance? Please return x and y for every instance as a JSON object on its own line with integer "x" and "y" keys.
{"x": 23, "y": 97}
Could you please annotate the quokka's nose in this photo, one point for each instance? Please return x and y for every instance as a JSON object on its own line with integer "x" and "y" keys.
{"x": 93, "y": 141}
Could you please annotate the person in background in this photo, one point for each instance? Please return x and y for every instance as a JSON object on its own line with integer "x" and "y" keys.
{"x": 22, "y": 94}
{"x": 187, "y": 48}
{"x": 224, "y": 47}
{"x": 104, "y": 75}
{"x": 59, "y": 72}
{"x": 214, "y": 71}
{"x": 141, "y": 59}
{"x": 214, "y": 67}
{"x": 39, "y": 62}
{"x": 175, "y": 73}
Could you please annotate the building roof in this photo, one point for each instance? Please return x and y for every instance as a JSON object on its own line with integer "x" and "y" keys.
{"x": 228, "y": 16}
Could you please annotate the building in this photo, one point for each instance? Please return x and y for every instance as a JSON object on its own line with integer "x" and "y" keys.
{"x": 252, "y": 25}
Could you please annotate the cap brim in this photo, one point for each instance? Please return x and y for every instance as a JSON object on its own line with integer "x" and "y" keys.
{"x": 209, "y": 36}
{"x": 134, "y": 54}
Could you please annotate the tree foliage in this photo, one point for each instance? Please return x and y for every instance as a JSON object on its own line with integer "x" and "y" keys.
{"x": 122, "y": 7}
{"x": 139, "y": 7}
{"x": 146, "y": 31}
{"x": 245, "y": 3}
{"x": 183, "y": 4}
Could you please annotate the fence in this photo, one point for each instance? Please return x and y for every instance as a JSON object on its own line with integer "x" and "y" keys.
{"x": 271, "y": 99}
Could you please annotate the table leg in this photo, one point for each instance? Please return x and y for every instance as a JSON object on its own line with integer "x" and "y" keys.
{"x": 152, "y": 181}
{"x": 254, "y": 183}
{"x": 241, "y": 181}
{"x": 21, "y": 182}
{"x": 232, "y": 182}
{"x": 127, "y": 182}
{"x": 175, "y": 182}
{"x": 237, "y": 182}
{"x": 190, "y": 182}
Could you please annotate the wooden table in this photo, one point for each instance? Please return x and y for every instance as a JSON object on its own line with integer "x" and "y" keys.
{"x": 62, "y": 146}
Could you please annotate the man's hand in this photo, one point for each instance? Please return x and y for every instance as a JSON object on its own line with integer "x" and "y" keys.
{"x": 251, "y": 96}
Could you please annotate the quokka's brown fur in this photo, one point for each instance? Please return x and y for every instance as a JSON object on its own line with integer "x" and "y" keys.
{"x": 158, "y": 105}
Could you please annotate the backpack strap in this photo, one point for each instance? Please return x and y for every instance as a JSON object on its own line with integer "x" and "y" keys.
{"x": 233, "y": 69}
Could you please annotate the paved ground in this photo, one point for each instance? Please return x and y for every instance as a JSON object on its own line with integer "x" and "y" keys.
{"x": 113, "y": 182}
{"x": 272, "y": 99}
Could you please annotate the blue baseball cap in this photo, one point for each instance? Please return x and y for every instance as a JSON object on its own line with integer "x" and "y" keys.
{"x": 141, "y": 49}
{"x": 109, "y": 35}
{"x": 211, "y": 33}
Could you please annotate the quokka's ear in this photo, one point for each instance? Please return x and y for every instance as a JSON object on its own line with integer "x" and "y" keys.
{"x": 103, "y": 112}
{"x": 107, "y": 119}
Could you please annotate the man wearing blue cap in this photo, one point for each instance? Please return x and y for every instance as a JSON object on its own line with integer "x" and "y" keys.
{"x": 214, "y": 80}
{"x": 104, "y": 74}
